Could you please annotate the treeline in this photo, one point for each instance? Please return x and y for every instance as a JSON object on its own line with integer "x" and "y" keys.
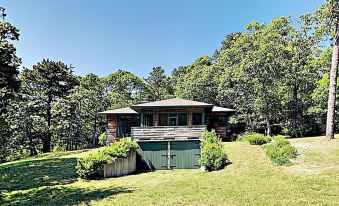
{"x": 276, "y": 76}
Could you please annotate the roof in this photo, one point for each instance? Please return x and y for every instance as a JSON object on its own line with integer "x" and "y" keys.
{"x": 222, "y": 109}
{"x": 176, "y": 102}
{"x": 126, "y": 110}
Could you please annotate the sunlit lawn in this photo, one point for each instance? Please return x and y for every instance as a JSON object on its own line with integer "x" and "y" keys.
{"x": 251, "y": 179}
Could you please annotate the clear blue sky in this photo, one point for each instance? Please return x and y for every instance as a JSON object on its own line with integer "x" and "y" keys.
{"x": 104, "y": 35}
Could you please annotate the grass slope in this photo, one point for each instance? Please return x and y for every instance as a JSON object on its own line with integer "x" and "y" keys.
{"x": 251, "y": 179}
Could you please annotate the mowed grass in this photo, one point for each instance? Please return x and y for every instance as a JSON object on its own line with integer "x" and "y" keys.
{"x": 251, "y": 179}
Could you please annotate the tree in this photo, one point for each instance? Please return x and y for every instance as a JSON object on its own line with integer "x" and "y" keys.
{"x": 9, "y": 82}
{"x": 9, "y": 62}
{"x": 158, "y": 85}
{"x": 198, "y": 81}
{"x": 47, "y": 82}
{"x": 124, "y": 88}
{"x": 74, "y": 121}
{"x": 327, "y": 21}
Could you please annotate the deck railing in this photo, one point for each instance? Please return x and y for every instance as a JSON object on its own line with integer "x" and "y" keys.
{"x": 168, "y": 133}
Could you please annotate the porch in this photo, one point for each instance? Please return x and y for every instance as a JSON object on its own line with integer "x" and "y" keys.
{"x": 161, "y": 133}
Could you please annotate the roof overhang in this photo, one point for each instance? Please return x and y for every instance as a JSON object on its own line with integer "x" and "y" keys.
{"x": 126, "y": 110}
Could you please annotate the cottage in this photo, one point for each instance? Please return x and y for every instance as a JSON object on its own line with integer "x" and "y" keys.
{"x": 168, "y": 131}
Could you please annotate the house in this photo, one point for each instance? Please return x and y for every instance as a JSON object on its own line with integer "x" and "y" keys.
{"x": 168, "y": 131}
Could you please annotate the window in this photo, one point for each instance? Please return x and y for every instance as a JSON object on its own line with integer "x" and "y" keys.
{"x": 148, "y": 120}
{"x": 197, "y": 119}
{"x": 182, "y": 119}
{"x": 163, "y": 117}
{"x": 222, "y": 121}
{"x": 173, "y": 119}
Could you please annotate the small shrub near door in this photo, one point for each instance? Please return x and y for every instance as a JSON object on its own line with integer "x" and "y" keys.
{"x": 281, "y": 151}
{"x": 213, "y": 153}
{"x": 256, "y": 139}
{"x": 91, "y": 167}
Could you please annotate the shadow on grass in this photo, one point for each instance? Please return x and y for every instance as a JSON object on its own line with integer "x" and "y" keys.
{"x": 60, "y": 195}
{"x": 36, "y": 173}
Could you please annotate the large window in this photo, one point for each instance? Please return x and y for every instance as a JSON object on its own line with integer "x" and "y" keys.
{"x": 182, "y": 119}
{"x": 197, "y": 119}
{"x": 148, "y": 120}
{"x": 173, "y": 119}
{"x": 125, "y": 123}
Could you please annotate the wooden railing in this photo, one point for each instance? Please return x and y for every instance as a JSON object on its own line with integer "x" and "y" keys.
{"x": 168, "y": 133}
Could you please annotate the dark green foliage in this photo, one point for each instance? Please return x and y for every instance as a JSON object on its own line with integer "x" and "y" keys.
{"x": 213, "y": 154}
{"x": 256, "y": 139}
{"x": 9, "y": 62}
{"x": 281, "y": 151}
{"x": 91, "y": 167}
{"x": 158, "y": 85}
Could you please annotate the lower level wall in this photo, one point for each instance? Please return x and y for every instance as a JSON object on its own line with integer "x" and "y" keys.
{"x": 121, "y": 166}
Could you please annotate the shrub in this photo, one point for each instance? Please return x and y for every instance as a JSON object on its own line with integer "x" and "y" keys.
{"x": 256, "y": 139}
{"x": 102, "y": 139}
{"x": 213, "y": 154}
{"x": 281, "y": 151}
{"x": 91, "y": 167}
{"x": 281, "y": 141}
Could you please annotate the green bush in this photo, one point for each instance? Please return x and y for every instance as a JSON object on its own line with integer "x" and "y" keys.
{"x": 102, "y": 139}
{"x": 256, "y": 139}
{"x": 91, "y": 167}
{"x": 213, "y": 154}
{"x": 281, "y": 151}
{"x": 281, "y": 141}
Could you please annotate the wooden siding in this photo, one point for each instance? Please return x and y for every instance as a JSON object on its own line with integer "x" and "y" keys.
{"x": 121, "y": 166}
{"x": 112, "y": 127}
{"x": 168, "y": 133}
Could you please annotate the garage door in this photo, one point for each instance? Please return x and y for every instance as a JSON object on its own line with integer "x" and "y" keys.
{"x": 168, "y": 155}
{"x": 185, "y": 155}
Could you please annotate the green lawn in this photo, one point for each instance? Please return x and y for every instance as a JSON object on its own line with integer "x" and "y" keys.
{"x": 251, "y": 179}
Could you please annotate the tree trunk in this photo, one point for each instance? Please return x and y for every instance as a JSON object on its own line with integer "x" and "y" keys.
{"x": 332, "y": 89}
{"x": 46, "y": 147}
{"x": 294, "y": 111}
{"x": 94, "y": 132}
{"x": 268, "y": 127}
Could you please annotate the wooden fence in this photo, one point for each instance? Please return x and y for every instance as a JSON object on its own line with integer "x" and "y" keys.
{"x": 121, "y": 166}
{"x": 168, "y": 133}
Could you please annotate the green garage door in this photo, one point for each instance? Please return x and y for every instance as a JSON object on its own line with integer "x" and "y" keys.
{"x": 152, "y": 155}
{"x": 155, "y": 155}
{"x": 185, "y": 154}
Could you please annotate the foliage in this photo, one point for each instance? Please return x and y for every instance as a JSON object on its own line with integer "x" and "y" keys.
{"x": 213, "y": 154}
{"x": 91, "y": 167}
{"x": 256, "y": 139}
{"x": 102, "y": 139}
{"x": 9, "y": 61}
{"x": 281, "y": 151}
{"x": 9, "y": 82}
{"x": 158, "y": 85}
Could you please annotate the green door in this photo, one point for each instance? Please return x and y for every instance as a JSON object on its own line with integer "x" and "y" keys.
{"x": 152, "y": 156}
{"x": 185, "y": 154}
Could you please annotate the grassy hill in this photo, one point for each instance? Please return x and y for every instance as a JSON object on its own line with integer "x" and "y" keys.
{"x": 251, "y": 179}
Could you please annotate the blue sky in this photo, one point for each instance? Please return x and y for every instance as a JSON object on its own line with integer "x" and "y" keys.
{"x": 104, "y": 35}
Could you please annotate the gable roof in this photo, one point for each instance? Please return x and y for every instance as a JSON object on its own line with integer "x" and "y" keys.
{"x": 125, "y": 110}
{"x": 176, "y": 102}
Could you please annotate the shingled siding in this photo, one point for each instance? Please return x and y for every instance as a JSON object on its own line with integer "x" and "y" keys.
{"x": 168, "y": 133}
{"x": 112, "y": 128}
